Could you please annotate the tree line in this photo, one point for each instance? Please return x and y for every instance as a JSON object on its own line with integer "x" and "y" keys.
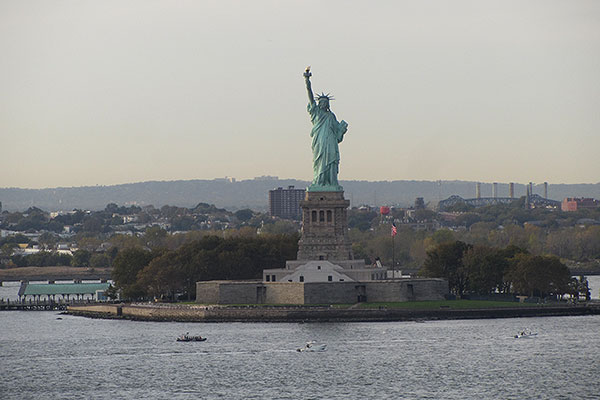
{"x": 480, "y": 269}
{"x": 140, "y": 273}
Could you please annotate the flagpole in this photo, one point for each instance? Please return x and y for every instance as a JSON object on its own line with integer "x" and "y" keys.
{"x": 393, "y": 250}
{"x": 393, "y": 257}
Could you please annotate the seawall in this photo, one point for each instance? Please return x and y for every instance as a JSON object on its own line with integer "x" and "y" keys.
{"x": 198, "y": 313}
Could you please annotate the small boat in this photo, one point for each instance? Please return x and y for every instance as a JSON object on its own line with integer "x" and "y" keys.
{"x": 525, "y": 334}
{"x": 188, "y": 338}
{"x": 312, "y": 346}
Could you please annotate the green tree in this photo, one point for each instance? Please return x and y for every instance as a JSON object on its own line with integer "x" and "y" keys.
{"x": 562, "y": 243}
{"x": 468, "y": 219}
{"x": 93, "y": 224}
{"x": 538, "y": 275}
{"x": 443, "y": 236}
{"x": 155, "y": 237}
{"x": 99, "y": 260}
{"x": 445, "y": 261}
{"x": 280, "y": 227}
{"x": 485, "y": 268}
{"x": 81, "y": 258}
{"x": 126, "y": 266}
{"x": 7, "y": 249}
{"x": 161, "y": 278}
{"x": 210, "y": 258}
{"x": 244, "y": 215}
{"x": 48, "y": 240}
{"x": 112, "y": 208}
{"x": 362, "y": 220}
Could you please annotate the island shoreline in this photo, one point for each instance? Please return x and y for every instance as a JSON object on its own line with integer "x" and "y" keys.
{"x": 260, "y": 313}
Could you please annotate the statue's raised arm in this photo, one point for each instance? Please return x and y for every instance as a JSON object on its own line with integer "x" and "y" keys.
{"x": 307, "y": 75}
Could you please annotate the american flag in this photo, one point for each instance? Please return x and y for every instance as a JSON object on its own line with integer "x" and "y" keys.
{"x": 394, "y": 230}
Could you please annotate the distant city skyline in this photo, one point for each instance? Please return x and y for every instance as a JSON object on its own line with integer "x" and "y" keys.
{"x": 105, "y": 93}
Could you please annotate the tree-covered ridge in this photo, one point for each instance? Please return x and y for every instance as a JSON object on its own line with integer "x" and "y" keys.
{"x": 251, "y": 193}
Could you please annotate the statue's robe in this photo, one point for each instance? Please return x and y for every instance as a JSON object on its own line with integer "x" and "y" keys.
{"x": 326, "y": 133}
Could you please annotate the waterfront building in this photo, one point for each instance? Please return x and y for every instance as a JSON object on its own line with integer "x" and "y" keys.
{"x": 63, "y": 291}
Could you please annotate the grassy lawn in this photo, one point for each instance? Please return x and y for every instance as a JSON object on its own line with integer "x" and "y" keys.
{"x": 413, "y": 305}
{"x": 451, "y": 304}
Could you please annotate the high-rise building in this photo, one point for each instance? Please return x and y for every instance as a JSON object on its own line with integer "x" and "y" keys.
{"x": 419, "y": 203}
{"x": 285, "y": 203}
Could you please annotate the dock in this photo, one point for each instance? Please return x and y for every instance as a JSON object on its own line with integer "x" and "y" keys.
{"x": 41, "y": 305}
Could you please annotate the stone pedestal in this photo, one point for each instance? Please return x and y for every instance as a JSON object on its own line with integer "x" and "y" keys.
{"x": 325, "y": 227}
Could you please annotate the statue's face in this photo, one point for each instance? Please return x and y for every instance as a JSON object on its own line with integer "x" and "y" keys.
{"x": 324, "y": 103}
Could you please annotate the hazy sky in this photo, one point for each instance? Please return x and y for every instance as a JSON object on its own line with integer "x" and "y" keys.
{"x": 109, "y": 92}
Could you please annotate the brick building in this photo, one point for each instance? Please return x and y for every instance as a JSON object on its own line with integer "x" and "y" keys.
{"x": 285, "y": 203}
{"x": 577, "y": 203}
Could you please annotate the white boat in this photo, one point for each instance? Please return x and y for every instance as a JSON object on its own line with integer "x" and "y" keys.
{"x": 312, "y": 346}
{"x": 525, "y": 334}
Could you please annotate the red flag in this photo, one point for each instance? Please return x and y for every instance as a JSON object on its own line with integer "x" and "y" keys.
{"x": 394, "y": 230}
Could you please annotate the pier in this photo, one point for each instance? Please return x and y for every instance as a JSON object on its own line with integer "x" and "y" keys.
{"x": 40, "y": 305}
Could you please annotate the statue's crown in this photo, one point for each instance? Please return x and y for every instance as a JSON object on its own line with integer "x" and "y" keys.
{"x": 325, "y": 96}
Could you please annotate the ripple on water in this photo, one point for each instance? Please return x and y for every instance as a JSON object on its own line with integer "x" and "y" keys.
{"x": 41, "y": 357}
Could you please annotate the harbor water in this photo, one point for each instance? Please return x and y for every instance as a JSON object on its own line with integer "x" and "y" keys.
{"x": 47, "y": 355}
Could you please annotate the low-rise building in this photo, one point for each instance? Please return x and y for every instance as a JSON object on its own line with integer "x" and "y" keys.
{"x": 304, "y": 293}
{"x": 578, "y": 203}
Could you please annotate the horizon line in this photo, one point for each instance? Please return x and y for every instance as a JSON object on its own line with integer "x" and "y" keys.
{"x": 228, "y": 179}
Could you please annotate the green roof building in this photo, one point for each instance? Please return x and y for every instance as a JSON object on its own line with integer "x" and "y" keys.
{"x": 66, "y": 291}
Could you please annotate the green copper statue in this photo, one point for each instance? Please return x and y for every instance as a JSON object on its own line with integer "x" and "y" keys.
{"x": 326, "y": 133}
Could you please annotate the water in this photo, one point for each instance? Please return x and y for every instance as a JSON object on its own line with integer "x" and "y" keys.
{"x": 44, "y": 357}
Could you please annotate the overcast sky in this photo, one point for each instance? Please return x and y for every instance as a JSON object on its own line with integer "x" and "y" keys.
{"x": 109, "y": 92}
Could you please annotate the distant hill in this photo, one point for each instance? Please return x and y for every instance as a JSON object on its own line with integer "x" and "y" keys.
{"x": 254, "y": 193}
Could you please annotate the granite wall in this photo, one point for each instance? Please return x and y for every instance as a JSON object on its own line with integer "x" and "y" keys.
{"x": 227, "y": 292}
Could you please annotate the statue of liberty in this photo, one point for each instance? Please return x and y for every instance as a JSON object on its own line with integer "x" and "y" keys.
{"x": 326, "y": 133}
